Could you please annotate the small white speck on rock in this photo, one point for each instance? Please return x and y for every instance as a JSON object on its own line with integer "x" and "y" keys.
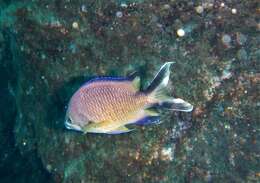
{"x": 83, "y": 8}
{"x": 234, "y": 11}
{"x": 123, "y": 5}
{"x": 119, "y": 14}
{"x": 75, "y": 25}
{"x": 180, "y": 32}
{"x": 226, "y": 40}
{"x": 199, "y": 9}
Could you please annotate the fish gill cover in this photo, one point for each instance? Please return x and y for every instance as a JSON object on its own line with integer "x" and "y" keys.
{"x": 49, "y": 48}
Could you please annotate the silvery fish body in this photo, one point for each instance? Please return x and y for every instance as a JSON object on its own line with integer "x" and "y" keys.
{"x": 107, "y": 104}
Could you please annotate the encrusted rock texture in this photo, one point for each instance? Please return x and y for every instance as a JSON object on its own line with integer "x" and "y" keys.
{"x": 58, "y": 45}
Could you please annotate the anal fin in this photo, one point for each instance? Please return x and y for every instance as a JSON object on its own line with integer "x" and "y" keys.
{"x": 121, "y": 129}
{"x": 148, "y": 120}
{"x": 97, "y": 127}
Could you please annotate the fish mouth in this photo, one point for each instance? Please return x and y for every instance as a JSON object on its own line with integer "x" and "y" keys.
{"x": 70, "y": 126}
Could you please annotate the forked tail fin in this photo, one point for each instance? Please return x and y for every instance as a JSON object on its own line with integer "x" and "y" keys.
{"x": 177, "y": 104}
{"x": 158, "y": 90}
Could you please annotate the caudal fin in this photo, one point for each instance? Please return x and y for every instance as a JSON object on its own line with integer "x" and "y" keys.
{"x": 157, "y": 88}
{"x": 158, "y": 91}
{"x": 177, "y": 104}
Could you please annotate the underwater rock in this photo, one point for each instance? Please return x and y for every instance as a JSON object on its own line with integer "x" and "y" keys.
{"x": 242, "y": 54}
{"x": 14, "y": 166}
{"x": 241, "y": 38}
{"x": 216, "y": 144}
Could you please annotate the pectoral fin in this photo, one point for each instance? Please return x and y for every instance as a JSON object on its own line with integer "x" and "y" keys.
{"x": 136, "y": 83}
{"x": 151, "y": 112}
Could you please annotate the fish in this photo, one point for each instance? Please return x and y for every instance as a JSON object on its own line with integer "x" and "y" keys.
{"x": 108, "y": 104}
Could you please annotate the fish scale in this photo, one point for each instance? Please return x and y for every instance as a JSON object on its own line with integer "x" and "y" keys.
{"x": 109, "y": 103}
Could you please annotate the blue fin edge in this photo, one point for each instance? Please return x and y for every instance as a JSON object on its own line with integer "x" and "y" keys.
{"x": 116, "y": 132}
{"x": 148, "y": 120}
{"x": 108, "y": 78}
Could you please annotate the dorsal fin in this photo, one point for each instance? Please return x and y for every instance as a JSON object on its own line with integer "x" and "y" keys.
{"x": 132, "y": 75}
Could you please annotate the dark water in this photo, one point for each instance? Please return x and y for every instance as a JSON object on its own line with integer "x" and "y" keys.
{"x": 49, "y": 48}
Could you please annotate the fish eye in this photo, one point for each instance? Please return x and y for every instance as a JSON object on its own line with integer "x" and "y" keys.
{"x": 68, "y": 123}
{"x": 68, "y": 120}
